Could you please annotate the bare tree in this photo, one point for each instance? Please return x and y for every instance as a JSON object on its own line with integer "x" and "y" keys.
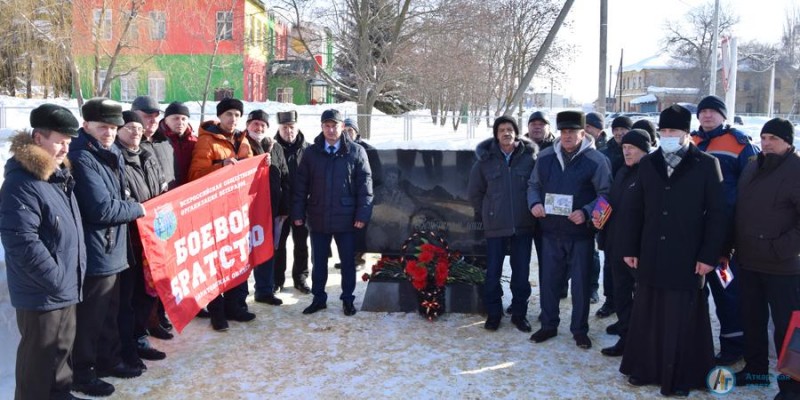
{"x": 690, "y": 38}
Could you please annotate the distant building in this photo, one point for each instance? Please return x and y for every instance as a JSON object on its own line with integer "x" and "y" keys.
{"x": 297, "y": 78}
{"x": 170, "y": 46}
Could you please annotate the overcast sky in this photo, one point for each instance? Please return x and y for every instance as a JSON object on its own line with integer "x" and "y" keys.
{"x": 638, "y": 26}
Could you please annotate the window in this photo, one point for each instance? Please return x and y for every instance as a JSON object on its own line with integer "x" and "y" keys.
{"x": 156, "y": 86}
{"x": 224, "y": 25}
{"x": 128, "y": 87}
{"x": 101, "y": 77}
{"x": 777, "y": 83}
{"x": 133, "y": 29}
{"x": 102, "y": 24}
{"x": 284, "y": 95}
{"x": 158, "y": 25}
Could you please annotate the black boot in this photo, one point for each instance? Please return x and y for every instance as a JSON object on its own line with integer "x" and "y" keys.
{"x": 86, "y": 382}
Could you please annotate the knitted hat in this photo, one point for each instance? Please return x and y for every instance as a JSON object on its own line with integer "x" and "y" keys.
{"x": 176, "y": 107}
{"x": 145, "y": 104}
{"x": 287, "y": 117}
{"x": 622, "y": 122}
{"x": 594, "y": 119}
{"x": 639, "y": 138}
{"x": 714, "y": 103}
{"x": 229, "y": 104}
{"x": 538, "y": 116}
{"x": 780, "y": 128}
{"x": 130, "y": 116}
{"x": 101, "y": 109}
{"x": 649, "y": 127}
{"x": 56, "y": 118}
{"x": 331, "y": 115}
{"x": 675, "y": 117}
{"x": 571, "y": 120}
{"x": 503, "y": 119}
{"x": 259, "y": 115}
{"x": 351, "y": 123}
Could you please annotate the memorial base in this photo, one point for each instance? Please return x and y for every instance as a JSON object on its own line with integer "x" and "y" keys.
{"x": 464, "y": 298}
{"x": 400, "y": 296}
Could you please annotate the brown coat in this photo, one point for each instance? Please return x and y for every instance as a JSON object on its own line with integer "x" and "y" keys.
{"x": 213, "y": 146}
{"x": 768, "y": 215}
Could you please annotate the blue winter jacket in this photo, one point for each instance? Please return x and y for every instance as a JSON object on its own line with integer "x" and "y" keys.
{"x": 331, "y": 192}
{"x": 585, "y": 177}
{"x": 100, "y": 189}
{"x": 40, "y": 227}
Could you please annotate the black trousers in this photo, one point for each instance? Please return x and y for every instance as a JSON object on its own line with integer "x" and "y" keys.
{"x": 135, "y": 308}
{"x": 230, "y": 303}
{"x": 97, "y": 336}
{"x": 624, "y": 284}
{"x": 42, "y": 370}
{"x": 764, "y": 294}
{"x": 300, "y": 267}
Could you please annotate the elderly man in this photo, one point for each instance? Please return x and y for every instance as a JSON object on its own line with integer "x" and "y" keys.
{"x": 498, "y": 196}
{"x": 672, "y": 237}
{"x": 106, "y": 209}
{"x": 334, "y": 192}
{"x": 148, "y": 110}
{"x": 768, "y": 249}
{"x": 292, "y": 144}
{"x": 568, "y": 178}
{"x": 734, "y": 150}
{"x": 539, "y": 130}
{"x": 40, "y": 227}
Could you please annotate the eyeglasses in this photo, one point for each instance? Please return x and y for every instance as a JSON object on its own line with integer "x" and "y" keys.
{"x": 134, "y": 128}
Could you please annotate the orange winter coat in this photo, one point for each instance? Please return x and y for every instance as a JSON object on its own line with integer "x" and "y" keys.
{"x": 213, "y": 146}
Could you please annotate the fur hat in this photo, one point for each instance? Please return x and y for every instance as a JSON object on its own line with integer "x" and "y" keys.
{"x": 56, "y": 118}
{"x": 287, "y": 117}
{"x": 229, "y": 104}
{"x": 571, "y": 120}
{"x": 259, "y": 115}
{"x": 781, "y": 128}
{"x": 101, "y": 109}
{"x": 675, "y": 117}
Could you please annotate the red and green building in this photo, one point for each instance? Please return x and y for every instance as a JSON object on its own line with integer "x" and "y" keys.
{"x": 173, "y": 48}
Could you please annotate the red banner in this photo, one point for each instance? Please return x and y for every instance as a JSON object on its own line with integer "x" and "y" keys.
{"x": 204, "y": 237}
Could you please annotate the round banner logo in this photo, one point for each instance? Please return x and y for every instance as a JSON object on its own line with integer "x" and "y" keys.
{"x": 720, "y": 380}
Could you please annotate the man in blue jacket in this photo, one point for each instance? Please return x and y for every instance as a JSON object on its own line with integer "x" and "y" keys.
{"x": 99, "y": 172}
{"x": 568, "y": 178}
{"x": 40, "y": 227}
{"x": 734, "y": 151}
{"x": 333, "y": 191}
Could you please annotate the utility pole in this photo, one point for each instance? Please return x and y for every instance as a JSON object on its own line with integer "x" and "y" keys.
{"x": 601, "y": 81}
{"x": 712, "y": 89}
{"x": 771, "y": 99}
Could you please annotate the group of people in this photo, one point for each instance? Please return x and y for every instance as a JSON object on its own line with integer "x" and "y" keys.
{"x": 678, "y": 214}
{"x": 75, "y": 264}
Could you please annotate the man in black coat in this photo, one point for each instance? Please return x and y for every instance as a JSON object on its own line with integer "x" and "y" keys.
{"x": 333, "y": 192}
{"x": 291, "y": 145}
{"x": 40, "y": 227}
{"x": 98, "y": 168}
{"x": 768, "y": 248}
{"x": 674, "y": 236}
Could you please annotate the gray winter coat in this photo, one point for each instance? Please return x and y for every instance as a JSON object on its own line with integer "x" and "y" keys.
{"x": 497, "y": 190}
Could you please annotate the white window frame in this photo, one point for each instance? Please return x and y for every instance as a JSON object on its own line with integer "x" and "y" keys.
{"x": 224, "y": 25}
{"x": 128, "y": 87}
{"x": 102, "y": 29}
{"x": 157, "y": 86}
{"x": 133, "y": 29}
{"x": 284, "y": 95}
{"x": 158, "y": 25}
{"x": 102, "y": 75}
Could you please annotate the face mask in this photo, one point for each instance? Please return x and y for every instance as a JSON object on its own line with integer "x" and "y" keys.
{"x": 670, "y": 144}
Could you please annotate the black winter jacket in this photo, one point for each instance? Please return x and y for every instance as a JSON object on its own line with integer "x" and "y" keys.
{"x": 280, "y": 196}
{"x": 292, "y": 155}
{"x": 613, "y": 233}
{"x": 497, "y": 190}
{"x": 332, "y": 192}
{"x": 100, "y": 190}
{"x": 40, "y": 227}
{"x": 613, "y": 151}
{"x": 676, "y": 221}
{"x": 161, "y": 148}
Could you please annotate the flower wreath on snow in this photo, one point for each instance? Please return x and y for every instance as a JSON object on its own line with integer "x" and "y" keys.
{"x": 429, "y": 269}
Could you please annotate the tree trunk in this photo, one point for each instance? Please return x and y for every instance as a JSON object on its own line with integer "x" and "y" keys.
{"x": 29, "y": 78}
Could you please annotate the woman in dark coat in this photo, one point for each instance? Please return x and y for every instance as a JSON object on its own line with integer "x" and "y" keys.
{"x": 676, "y": 231}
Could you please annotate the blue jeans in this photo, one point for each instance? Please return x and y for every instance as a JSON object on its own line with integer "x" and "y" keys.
{"x": 264, "y": 277}
{"x": 320, "y": 245}
{"x": 566, "y": 256}
{"x": 520, "y": 259}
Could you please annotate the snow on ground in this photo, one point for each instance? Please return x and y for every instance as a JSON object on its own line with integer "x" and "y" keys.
{"x": 327, "y": 355}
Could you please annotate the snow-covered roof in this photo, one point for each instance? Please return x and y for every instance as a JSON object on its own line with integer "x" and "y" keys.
{"x": 669, "y": 90}
{"x": 648, "y": 98}
{"x": 658, "y": 61}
